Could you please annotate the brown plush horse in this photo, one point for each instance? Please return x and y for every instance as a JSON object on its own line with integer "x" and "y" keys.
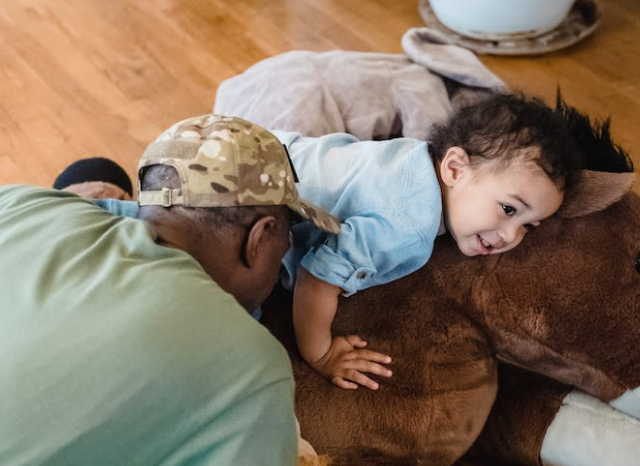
{"x": 564, "y": 305}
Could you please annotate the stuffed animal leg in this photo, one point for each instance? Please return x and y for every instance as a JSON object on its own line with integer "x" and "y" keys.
{"x": 536, "y": 420}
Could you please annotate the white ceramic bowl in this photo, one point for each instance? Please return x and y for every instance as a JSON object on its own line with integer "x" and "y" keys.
{"x": 501, "y": 19}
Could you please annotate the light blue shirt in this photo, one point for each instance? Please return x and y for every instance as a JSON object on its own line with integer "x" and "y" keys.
{"x": 119, "y": 208}
{"x": 386, "y": 194}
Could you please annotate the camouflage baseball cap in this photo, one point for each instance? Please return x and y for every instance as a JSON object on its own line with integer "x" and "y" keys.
{"x": 224, "y": 162}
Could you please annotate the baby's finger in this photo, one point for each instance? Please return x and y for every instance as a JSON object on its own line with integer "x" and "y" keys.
{"x": 362, "y": 379}
{"x": 370, "y": 355}
{"x": 369, "y": 367}
{"x": 356, "y": 341}
{"x": 342, "y": 383}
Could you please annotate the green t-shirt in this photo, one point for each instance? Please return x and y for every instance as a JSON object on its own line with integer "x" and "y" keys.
{"x": 115, "y": 351}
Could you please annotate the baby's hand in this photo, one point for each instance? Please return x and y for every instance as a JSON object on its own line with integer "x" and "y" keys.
{"x": 346, "y": 362}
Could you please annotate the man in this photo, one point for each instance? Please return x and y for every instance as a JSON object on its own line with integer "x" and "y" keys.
{"x": 128, "y": 342}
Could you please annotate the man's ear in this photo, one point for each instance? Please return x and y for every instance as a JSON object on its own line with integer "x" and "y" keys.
{"x": 257, "y": 240}
{"x": 453, "y": 165}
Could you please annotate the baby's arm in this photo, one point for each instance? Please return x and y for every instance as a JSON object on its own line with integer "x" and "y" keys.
{"x": 341, "y": 359}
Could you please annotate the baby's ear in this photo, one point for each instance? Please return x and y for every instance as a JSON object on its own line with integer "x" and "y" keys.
{"x": 595, "y": 191}
{"x": 453, "y": 165}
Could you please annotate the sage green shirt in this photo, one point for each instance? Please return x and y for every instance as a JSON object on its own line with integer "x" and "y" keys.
{"x": 115, "y": 351}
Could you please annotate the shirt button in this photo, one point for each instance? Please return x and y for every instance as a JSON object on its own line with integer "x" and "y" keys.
{"x": 361, "y": 275}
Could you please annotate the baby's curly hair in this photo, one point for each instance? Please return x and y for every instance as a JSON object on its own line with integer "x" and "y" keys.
{"x": 502, "y": 125}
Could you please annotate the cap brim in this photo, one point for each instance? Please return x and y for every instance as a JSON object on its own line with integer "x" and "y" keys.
{"x": 319, "y": 217}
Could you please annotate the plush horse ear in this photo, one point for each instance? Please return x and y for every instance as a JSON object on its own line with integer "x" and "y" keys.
{"x": 595, "y": 191}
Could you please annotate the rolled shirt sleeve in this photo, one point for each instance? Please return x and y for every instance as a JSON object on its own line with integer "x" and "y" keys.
{"x": 371, "y": 250}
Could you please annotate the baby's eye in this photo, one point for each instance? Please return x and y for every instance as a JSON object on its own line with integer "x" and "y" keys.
{"x": 508, "y": 210}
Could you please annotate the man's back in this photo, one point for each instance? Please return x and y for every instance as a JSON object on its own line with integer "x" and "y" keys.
{"x": 114, "y": 350}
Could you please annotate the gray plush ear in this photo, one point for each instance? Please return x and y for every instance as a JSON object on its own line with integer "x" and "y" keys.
{"x": 595, "y": 191}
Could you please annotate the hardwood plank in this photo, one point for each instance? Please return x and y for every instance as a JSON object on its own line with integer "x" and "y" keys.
{"x": 83, "y": 78}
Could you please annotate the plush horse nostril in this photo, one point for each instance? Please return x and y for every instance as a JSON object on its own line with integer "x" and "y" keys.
{"x": 637, "y": 263}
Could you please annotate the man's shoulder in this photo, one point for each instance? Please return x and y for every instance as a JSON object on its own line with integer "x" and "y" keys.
{"x": 15, "y": 195}
{"x": 47, "y": 213}
{"x": 37, "y": 200}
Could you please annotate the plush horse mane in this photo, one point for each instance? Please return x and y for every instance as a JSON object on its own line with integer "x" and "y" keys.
{"x": 593, "y": 139}
{"x": 607, "y": 169}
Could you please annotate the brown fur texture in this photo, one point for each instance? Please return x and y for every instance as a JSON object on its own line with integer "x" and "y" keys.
{"x": 526, "y": 404}
{"x": 563, "y": 305}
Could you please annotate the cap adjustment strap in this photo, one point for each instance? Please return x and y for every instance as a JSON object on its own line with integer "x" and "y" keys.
{"x": 166, "y": 197}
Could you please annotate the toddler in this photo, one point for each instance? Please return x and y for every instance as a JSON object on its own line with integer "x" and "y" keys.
{"x": 494, "y": 171}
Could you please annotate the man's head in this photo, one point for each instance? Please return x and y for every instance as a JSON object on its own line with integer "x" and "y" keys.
{"x": 504, "y": 165}
{"x": 222, "y": 189}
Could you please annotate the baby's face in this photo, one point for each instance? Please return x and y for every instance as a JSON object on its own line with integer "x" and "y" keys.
{"x": 489, "y": 212}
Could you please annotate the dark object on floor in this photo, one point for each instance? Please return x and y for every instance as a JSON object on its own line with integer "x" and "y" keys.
{"x": 94, "y": 169}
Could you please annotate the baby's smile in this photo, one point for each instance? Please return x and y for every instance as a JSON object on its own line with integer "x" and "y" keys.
{"x": 484, "y": 246}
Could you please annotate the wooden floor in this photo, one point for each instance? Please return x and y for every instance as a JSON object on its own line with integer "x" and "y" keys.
{"x": 83, "y": 78}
